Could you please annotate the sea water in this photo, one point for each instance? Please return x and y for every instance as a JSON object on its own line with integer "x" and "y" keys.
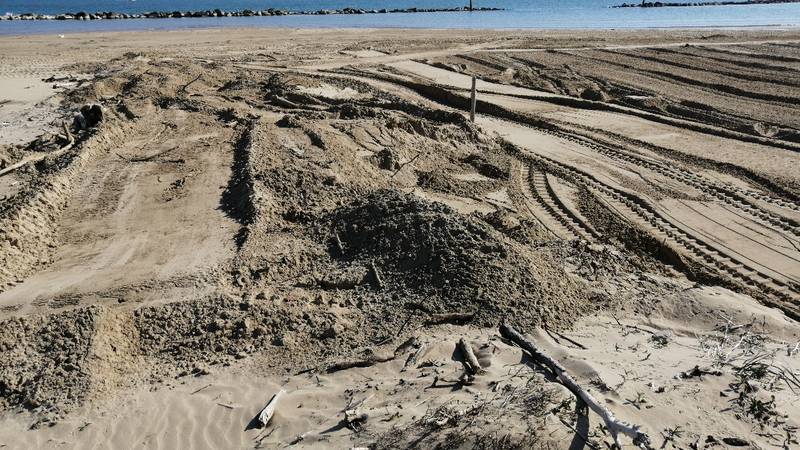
{"x": 517, "y": 14}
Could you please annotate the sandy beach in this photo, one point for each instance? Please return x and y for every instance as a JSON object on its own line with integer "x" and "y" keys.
{"x": 314, "y": 212}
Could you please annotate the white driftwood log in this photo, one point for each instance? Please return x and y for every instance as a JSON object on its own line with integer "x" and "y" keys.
{"x": 614, "y": 425}
{"x": 266, "y": 414}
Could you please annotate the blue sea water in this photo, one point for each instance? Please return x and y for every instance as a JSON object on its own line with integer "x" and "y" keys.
{"x": 517, "y": 14}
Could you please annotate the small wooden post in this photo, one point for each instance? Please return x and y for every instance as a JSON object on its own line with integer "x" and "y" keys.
{"x": 470, "y": 4}
{"x": 472, "y": 102}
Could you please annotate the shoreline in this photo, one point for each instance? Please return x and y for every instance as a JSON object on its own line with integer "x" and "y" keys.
{"x": 39, "y": 33}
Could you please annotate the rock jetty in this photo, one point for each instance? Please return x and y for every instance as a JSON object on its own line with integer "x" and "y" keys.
{"x": 717, "y": 3}
{"x": 109, "y": 15}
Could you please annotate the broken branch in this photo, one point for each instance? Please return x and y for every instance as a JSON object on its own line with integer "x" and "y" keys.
{"x": 376, "y": 275}
{"x": 614, "y": 425}
{"x": 405, "y": 164}
{"x": 456, "y": 318}
{"x": 183, "y": 89}
{"x": 470, "y": 360}
{"x": 38, "y": 158}
{"x": 366, "y": 362}
{"x": 696, "y": 371}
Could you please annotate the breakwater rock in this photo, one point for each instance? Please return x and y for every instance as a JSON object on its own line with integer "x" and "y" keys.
{"x": 109, "y": 15}
{"x": 717, "y": 3}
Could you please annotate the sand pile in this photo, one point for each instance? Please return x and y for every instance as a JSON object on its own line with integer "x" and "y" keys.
{"x": 44, "y": 364}
{"x": 451, "y": 262}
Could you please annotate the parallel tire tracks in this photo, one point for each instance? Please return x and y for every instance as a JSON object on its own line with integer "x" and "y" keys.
{"x": 654, "y": 222}
{"x": 734, "y": 196}
{"x": 540, "y": 190}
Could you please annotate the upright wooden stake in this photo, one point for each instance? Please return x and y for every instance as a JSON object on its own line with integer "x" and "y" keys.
{"x": 472, "y": 107}
{"x": 470, "y": 4}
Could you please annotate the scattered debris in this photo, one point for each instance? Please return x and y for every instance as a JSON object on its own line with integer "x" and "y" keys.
{"x": 696, "y": 371}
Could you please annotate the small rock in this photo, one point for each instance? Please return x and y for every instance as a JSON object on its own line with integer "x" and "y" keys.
{"x": 387, "y": 160}
{"x": 735, "y": 442}
{"x": 594, "y": 94}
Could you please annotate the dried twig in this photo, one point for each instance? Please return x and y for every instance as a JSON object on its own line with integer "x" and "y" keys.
{"x": 366, "y": 362}
{"x": 201, "y": 389}
{"x": 338, "y": 242}
{"x": 185, "y": 86}
{"x": 376, "y": 275}
{"x": 696, "y": 371}
{"x": 405, "y": 164}
{"x": 456, "y": 318}
{"x": 71, "y": 141}
{"x": 556, "y": 334}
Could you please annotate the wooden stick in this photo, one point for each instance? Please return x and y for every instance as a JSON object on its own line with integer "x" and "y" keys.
{"x": 183, "y": 89}
{"x": 338, "y": 242}
{"x": 457, "y": 318}
{"x": 473, "y": 101}
{"x": 414, "y": 357}
{"x": 376, "y": 275}
{"x": 349, "y": 364}
{"x": 614, "y": 425}
{"x": 37, "y": 158}
{"x": 201, "y": 389}
{"x": 280, "y": 101}
{"x": 266, "y": 414}
{"x": 470, "y": 360}
{"x": 68, "y": 134}
{"x": 405, "y": 164}
{"x": 555, "y": 335}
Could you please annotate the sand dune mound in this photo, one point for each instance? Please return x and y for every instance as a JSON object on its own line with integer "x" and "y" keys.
{"x": 453, "y": 262}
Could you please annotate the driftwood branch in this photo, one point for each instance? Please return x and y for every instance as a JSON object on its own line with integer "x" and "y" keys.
{"x": 70, "y": 142}
{"x": 266, "y": 414}
{"x": 376, "y": 275}
{"x": 186, "y": 86}
{"x": 697, "y": 371}
{"x": 405, "y": 164}
{"x": 615, "y": 426}
{"x": 456, "y": 318}
{"x": 555, "y": 335}
{"x": 68, "y": 134}
{"x": 412, "y": 359}
{"x": 337, "y": 241}
{"x": 354, "y": 418}
{"x": 280, "y": 101}
{"x": 366, "y": 362}
{"x": 470, "y": 360}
